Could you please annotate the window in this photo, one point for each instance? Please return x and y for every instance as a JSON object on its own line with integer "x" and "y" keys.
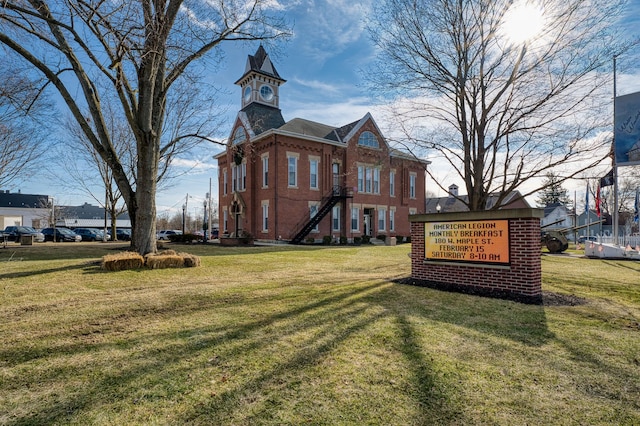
{"x": 335, "y": 216}
{"x": 368, "y": 139}
{"x": 225, "y": 222}
{"x": 265, "y": 171}
{"x": 368, "y": 179}
{"x": 355, "y": 219}
{"x": 382, "y": 219}
{"x": 266, "y": 93}
{"x": 224, "y": 182}
{"x": 412, "y": 185}
{"x": 392, "y": 183}
{"x": 313, "y": 173}
{"x": 292, "y": 161}
{"x": 247, "y": 94}
{"x": 313, "y": 210}
{"x": 239, "y": 136}
{"x": 376, "y": 181}
{"x": 265, "y": 216}
{"x": 392, "y": 220}
{"x": 234, "y": 178}
{"x": 243, "y": 176}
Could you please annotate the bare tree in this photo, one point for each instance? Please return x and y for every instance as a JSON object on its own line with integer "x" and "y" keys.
{"x": 501, "y": 105}
{"x": 21, "y": 112}
{"x": 141, "y": 51}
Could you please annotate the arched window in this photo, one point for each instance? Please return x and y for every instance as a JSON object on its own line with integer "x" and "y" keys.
{"x": 239, "y": 136}
{"x": 368, "y": 139}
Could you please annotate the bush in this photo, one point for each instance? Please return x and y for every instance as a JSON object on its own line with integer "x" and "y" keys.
{"x": 366, "y": 239}
{"x": 326, "y": 240}
{"x": 343, "y": 240}
{"x": 399, "y": 239}
{"x": 382, "y": 237}
{"x": 407, "y": 239}
{"x": 184, "y": 238}
{"x": 310, "y": 240}
{"x": 357, "y": 240}
{"x": 122, "y": 261}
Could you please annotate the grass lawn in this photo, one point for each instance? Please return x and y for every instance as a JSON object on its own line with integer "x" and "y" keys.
{"x": 307, "y": 335}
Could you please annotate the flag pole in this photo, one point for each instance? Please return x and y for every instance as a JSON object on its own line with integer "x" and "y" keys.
{"x": 615, "y": 164}
{"x": 586, "y": 210}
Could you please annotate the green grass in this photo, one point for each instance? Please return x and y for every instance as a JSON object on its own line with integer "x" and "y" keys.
{"x": 307, "y": 335}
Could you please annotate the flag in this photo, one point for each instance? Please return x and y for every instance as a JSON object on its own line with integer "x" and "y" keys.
{"x": 636, "y": 215}
{"x": 598, "y": 200}
{"x": 607, "y": 180}
{"x": 586, "y": 203}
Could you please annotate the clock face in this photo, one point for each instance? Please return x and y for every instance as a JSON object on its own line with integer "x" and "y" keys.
{"x": 266, "y": 93}
{"x": 247, "y": 94}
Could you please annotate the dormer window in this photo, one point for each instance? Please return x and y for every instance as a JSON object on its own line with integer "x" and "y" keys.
{"x": 239, "y": 136}
{"x": 368, "y": 139}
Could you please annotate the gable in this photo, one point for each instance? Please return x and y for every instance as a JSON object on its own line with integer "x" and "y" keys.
{"x": 366, "y": 123}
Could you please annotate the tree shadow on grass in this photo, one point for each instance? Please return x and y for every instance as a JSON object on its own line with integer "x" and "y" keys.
{"x": 127, "y": 370}
{"x": 42, "y": 271}
{"x": 524, "y": 323}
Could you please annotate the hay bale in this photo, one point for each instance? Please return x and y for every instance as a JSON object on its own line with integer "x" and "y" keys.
{"x": 162, "y": 261}
{"x": 122, "y": 261}
{"x": 190, "y": 260}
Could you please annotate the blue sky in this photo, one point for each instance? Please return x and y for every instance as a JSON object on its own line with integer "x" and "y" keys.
{"x": 322, "y": 64}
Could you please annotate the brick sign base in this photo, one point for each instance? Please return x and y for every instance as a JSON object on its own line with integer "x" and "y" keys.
{"x": 495, "y": 254}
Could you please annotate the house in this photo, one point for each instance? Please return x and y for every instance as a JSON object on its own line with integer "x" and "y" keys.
{"x": 454, "y": 202}
{"x": 18, "y": 209}
{"x": 557, "y": 216}
{"x": 299, "y": 180}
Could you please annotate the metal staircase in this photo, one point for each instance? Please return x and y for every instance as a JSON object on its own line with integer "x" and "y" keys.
{"x": 337, "y": 194}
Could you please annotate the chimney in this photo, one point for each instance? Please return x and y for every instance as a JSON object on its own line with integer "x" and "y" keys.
{"x": 453, "y": 191}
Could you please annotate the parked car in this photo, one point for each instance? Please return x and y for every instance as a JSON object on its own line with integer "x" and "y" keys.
{"x": 61, "y": 234}
{"x": 164, "y": 235}
{"x": 123, "y": 234}
{"x": 14, "y": 233}
{"x": 101, "y": 233}
{"x": 89, "y": 234}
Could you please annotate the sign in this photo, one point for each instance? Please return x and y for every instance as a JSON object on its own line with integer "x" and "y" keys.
{"x": 477, "y": 241}
{"x": 627, "y": 129}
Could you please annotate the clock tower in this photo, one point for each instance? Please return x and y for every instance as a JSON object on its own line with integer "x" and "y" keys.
{"x": 260, "y": 82}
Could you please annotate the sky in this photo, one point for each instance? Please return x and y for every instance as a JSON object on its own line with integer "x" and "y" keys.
{"x": 323, "y": 64}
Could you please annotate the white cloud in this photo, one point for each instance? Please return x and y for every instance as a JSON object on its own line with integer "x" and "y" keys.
{"x": 325, "y": 28}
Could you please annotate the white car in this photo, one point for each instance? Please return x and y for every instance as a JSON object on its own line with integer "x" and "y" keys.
{"x": 164, "y": 235}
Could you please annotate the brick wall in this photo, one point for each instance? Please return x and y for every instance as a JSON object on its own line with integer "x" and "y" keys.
{"x": 520, "y": 280}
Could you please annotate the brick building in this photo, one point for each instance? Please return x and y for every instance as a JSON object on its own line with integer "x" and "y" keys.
{"x": 300, "y": 179}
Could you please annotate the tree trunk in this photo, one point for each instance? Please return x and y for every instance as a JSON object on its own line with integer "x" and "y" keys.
{"x": 143, "y": 237}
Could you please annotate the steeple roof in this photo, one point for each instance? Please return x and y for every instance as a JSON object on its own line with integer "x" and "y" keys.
{"x": 261, "y": 64}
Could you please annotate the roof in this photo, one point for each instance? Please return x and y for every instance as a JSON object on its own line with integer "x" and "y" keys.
{"x": 450, "y": 204}
{"x": 261, "y": 64}
{"x": 262, "y": 117}
{"x": 309, "y": 128}
{"x": 549, "y": 208}
{"x": 19, "y": 200}
{"x": 88, "y": 211}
